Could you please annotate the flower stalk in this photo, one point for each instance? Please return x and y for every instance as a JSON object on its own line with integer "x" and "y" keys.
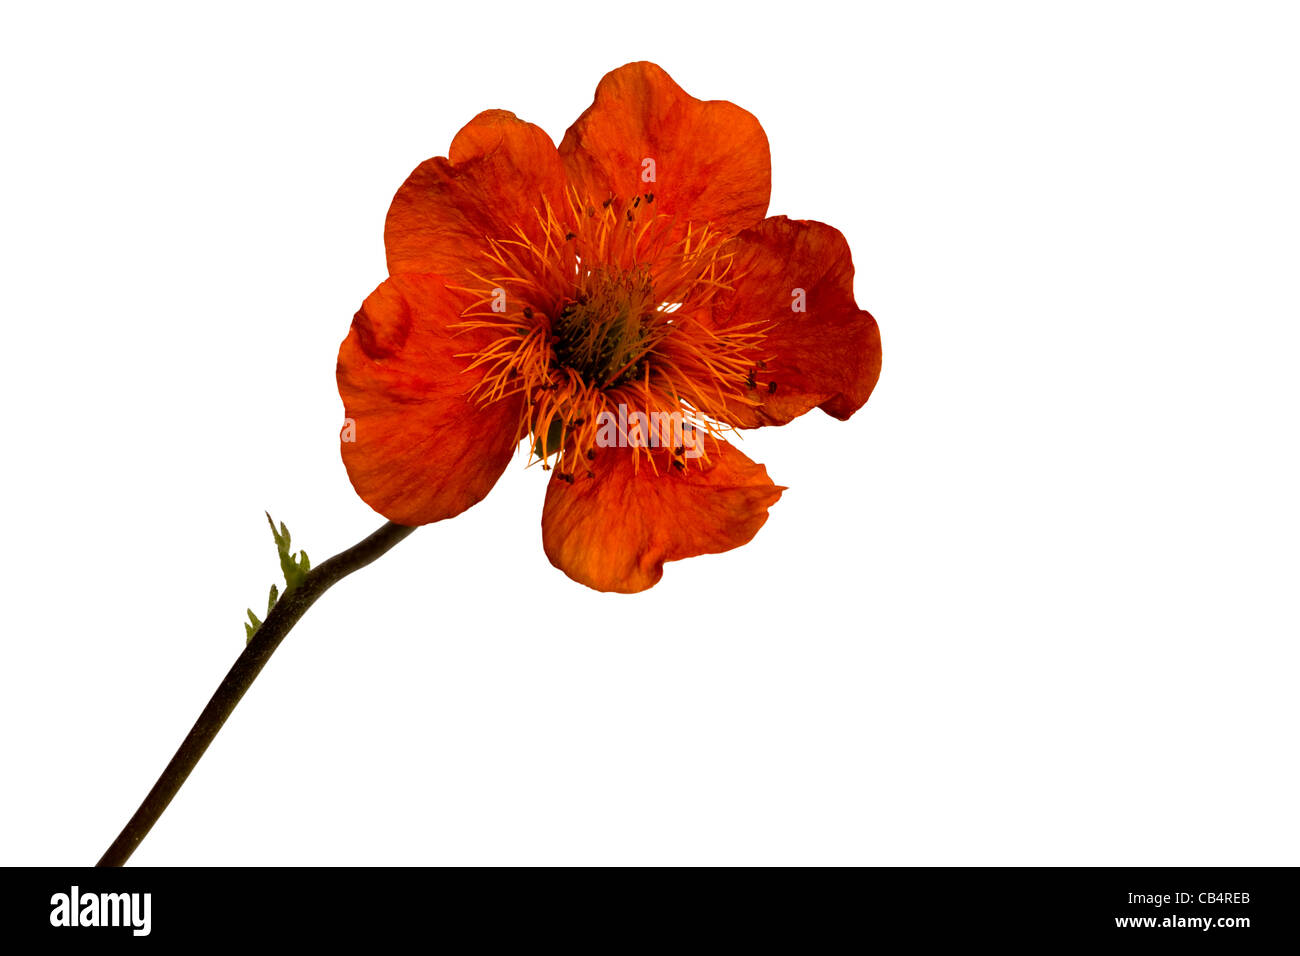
{"x": 287, "y": 611}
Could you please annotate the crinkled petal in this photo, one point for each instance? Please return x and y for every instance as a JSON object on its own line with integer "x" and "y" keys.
{"x": 499, "y": 173}
{"x": 828, "y": 354}
{"x": 423, "y": 449}
{"x": 711, "y": 162}
{"x": 614, "y": 532}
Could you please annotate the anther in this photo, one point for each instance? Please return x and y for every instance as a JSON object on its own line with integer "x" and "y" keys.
{"x": 528, "y": 312}
{"x": 771, "y": 388}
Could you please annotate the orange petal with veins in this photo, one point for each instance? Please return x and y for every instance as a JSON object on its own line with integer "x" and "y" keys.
{"x": 499, "y": 172}
{"x": 424, "y": 450}
{"x": 711, "y": 161}
{"x": 827, "y": 355}
{"x": 614, "y": 532}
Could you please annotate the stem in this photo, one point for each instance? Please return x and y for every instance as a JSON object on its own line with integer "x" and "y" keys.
{"x": 277, "y": 625}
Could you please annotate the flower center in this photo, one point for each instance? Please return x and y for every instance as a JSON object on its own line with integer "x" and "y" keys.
{"x": 607, "y": 314}
{"x": 605, "y": 333}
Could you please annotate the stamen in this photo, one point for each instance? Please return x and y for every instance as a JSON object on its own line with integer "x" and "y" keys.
{"x": 599, "y": 316}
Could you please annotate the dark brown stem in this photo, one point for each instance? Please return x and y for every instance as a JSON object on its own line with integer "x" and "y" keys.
{"x": 277, "y": 625}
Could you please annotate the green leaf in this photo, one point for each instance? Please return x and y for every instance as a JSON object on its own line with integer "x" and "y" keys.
{"x": 251, "y": 629}
{"x": 294, "y": 571}
{"x": 294, "y": 568}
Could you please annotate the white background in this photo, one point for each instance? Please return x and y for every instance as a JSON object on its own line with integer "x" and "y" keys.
{"x": 1035, "y": 604}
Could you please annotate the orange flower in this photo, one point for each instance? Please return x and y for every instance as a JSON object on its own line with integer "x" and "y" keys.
{"x": 623, "y": 303}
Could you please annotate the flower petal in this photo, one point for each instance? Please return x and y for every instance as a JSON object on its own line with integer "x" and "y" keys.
{"x": 614, "y": 532}
{"x": 422, "y": 448}
{"x": 711, "y": 158}
{"x": 499, "y": 172}
{"x": 826, "y": 356}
